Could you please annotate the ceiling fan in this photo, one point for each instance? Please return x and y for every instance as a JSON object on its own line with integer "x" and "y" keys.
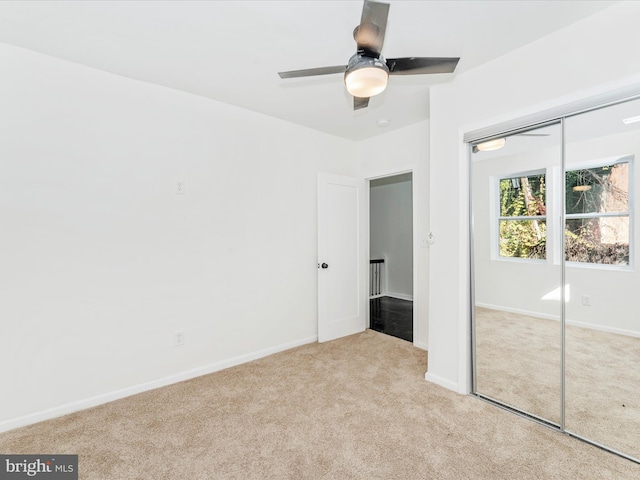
{"x": 367, "y": 72}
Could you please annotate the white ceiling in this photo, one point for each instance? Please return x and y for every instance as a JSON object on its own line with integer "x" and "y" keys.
{"x": 231, "y": 51}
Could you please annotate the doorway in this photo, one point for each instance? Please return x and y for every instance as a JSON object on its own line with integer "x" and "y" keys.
{"x": 391, "y": 255}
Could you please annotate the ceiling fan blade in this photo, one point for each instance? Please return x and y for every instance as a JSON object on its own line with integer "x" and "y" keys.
{"x": 369, "y": 35}
{"x": 421, "y": 65}
{"x": 360, "y": 102}
{"x": 312, "y": 72}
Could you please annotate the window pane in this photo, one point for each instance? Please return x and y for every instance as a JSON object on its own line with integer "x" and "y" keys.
{"x": 522, "y": 196}
{"x": 600, "y": 189}
{"x": 523, "y": 238}
{"x": 603, "y": 240}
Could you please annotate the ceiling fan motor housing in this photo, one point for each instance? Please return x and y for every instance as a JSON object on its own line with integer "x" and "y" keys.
{"x": 366, "y": 76}
{"x": 368, "y": 71}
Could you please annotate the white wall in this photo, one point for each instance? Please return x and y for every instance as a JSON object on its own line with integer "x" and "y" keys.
{"x": 391, "y": 232}
{"x": 552, "y": 71}
{"x": 100, "y": 262}
{"x": 380, "y": 157}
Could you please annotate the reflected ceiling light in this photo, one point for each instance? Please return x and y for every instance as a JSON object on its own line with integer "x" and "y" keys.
{"x": 581, "y": 188}
{"x": 366, "y": 76}
{"x": 630, "y": 120}
{"x": 495, "y": 144}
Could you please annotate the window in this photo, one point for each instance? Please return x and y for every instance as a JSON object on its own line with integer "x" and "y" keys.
{"x": 522, "y": 220}
{"x": 597, "y": 214}
{"x": 597, "y": 226}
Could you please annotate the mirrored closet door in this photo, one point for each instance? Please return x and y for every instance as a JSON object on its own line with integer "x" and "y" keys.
{"x": 602, "y": 349}
{"x": 518, "y": 335}
{"x": 556, "y": 322}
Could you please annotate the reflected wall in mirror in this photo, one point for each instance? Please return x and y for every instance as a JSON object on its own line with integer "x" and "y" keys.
{"x": 602, "y": 374}
{"x": 518, "y": 336}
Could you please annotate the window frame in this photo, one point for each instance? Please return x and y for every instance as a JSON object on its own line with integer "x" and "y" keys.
{"x": 497, "y": 218}
{"x": 556, "y": 216}
{"x": 630, "y": 214}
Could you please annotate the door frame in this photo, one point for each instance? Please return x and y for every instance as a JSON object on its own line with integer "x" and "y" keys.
{"x": 417, "y": 297}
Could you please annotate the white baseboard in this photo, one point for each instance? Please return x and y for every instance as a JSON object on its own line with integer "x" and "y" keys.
{"x": 421, "y": 345}
{"x": 575, "y": 323}
{"x": 602, "y": 328}
{"x": 519, "y": 311}
{"x": 443, "y": 382}
{"x": 71, "y": 407}
{"x": 400, "y": 296}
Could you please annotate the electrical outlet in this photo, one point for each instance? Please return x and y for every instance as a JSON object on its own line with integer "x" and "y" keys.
{"x": 180, "y": 187}
{"x": 178, "y": 338}
{"x": 586, "y": 300}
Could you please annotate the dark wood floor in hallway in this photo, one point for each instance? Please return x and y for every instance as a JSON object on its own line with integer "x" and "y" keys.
{"x": 392, "y": 316}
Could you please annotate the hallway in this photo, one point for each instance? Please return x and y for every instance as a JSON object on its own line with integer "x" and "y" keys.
{"x": 392, "y": 316}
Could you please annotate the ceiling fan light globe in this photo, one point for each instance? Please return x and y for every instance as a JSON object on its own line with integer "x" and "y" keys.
{"x": 489, "y": 146}
{"x": 366, "y": 82}
{"x": 366, "y": 76}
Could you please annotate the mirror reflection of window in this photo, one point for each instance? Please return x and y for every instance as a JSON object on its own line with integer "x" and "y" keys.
{"x": 522, "y": 221}
{"x": 597, "y": 207}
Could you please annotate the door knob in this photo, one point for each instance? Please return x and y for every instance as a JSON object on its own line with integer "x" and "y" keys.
{"x": 324, "y": 265}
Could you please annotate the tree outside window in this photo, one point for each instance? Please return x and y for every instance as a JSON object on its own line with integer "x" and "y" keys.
{"x": 522, "y": 220}
{"x": 597, "y": 220}
{"x": 597, "y": 215}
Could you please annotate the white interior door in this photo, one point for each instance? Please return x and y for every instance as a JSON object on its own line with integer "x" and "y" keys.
{"x": 342, "y": 256}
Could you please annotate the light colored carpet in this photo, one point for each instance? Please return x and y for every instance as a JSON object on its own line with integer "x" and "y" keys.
{"x": 354, "y": 408}
{"x": 519, "y": 363}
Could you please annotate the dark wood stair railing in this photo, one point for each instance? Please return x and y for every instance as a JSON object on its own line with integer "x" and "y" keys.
{"x": 375, "y": 277}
